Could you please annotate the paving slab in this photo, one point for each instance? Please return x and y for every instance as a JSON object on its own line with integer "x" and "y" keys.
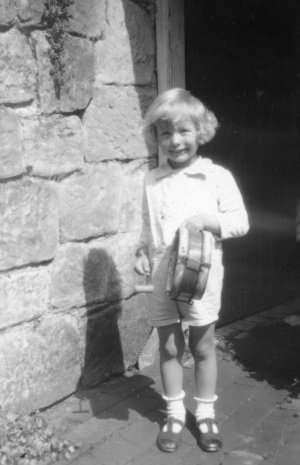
{"x": 258, "y": 409}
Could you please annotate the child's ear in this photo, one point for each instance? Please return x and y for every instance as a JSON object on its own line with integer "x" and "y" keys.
{"x": 200, "y": 139}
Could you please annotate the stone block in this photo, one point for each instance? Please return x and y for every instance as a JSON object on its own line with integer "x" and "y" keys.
{"x": 87, "y": 18}
{"x": 132, "y": 193}
{"x": 30, "y": 12}
{"x": 40, "y": 363}
{"x": 7, "y": 13}
{"x": 134, "y": 328}
{"x": 90, "y": 274}
{"x": 113, "y": 123}
{"x": 126, "y": 55}
{"x": 28, "y": 222}
{"x": 24, "y": 296}
{"x": 53, "y": 146}
{"x": 18, "y": 69}
{"x": 90, "y": 203}
{"x": 11, "y": 163}
{"x": 77, "y": 88}
{"x": 82, "y": 275}
{"x": 113, "y": 340}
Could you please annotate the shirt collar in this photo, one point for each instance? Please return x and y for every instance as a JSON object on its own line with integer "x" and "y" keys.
{"x": 200, "y": 166}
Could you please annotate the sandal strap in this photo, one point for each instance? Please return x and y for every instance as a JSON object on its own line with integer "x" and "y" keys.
{"x": 209, "y": 441}
{"x": 208, "y": 421}
{"x": 172, "y": 421}
{"x": 169, "y": 441}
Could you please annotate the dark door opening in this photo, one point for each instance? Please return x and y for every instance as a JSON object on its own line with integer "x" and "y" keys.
{"x": 242, "y": 60}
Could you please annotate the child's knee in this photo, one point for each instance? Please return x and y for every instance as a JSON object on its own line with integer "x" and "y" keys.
{"x": 171, "y": 349}
{"x": 171, "y": 341}
{"x": 203, "y": 349}
{"x": 171, "y": 345}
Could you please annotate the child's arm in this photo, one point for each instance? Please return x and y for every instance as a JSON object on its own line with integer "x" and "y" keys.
{"x": 142, "y": 264}
{"x": 232, "y": 215}
{"x": 204, "y": 222}
{"x": 231, "y": 220}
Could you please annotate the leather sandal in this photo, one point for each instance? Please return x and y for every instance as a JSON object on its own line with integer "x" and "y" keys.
{"x": 210, "y": 441}
{"x": 168, "y": 441}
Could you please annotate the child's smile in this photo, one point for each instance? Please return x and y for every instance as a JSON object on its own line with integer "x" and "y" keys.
{"x": 178, "y": 141}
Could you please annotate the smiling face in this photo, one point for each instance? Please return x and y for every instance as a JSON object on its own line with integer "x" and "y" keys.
{"x": 178, "y": 141}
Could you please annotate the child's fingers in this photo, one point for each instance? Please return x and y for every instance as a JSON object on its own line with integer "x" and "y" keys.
{"x": 146, "y": 265}
{"x": 142, "y": 266}
{"x": 138, "y": 268}
{"x": 193, "y": 224}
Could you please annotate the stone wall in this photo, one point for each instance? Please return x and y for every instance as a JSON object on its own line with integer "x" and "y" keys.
{"x": 71, "y": 172}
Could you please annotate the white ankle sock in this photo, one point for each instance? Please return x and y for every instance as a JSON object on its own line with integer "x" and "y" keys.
{"x": 205, "y": 409}
{"x": 176, "y": 409}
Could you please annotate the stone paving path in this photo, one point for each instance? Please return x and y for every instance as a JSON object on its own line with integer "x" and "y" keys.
{"x": 258, "y": 410}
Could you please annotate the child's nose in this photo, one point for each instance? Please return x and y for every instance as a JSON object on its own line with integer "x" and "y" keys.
{"x": 175, "y": 139}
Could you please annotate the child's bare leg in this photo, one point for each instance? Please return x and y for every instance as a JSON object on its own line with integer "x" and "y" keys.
{"x": 171, "y": 345}
{"x": 171, "y": 351}
{"x": 202, "y": 346}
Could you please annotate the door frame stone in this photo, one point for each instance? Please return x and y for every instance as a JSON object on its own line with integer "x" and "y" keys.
{"x": 170, "y": 44}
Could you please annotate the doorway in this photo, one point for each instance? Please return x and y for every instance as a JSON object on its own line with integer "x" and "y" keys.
{"x": 242, "y": 61}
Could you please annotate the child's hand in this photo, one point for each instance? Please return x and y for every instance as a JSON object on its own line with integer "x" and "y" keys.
{"x": 142, "y": 264}
{"x": 203, "y": 222}
{"x": 193, "y": 223}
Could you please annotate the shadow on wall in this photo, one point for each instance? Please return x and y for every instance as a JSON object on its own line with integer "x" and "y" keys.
{"x": 104, "y": 381}
{"x": 103, "y": 349}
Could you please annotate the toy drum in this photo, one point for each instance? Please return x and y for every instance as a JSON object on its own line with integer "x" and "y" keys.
{"x": 189, "y": 265}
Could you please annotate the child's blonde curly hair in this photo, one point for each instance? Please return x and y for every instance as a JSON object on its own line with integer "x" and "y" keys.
{"x": 173, "y": 105}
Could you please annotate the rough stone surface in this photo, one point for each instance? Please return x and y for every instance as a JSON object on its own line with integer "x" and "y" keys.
{"x": 10, "y": 142}
{"x": 90, "y": 203}
{"x": 77, "y": 89}
{"x": 113, "y": 340}
{"x": 40, "y": 363}
{"x": 18, "y": 69}
{"x": 90, "y": 274}
{"x": 28, "y": 222}
{"x": 113, "y": 123}
{"x": 87, "y": 18}
{"x": 134, "y": 328}
{"x": 53, "y": 145}
{"x": 7, "y": 13}
{"x": 127, "y": 53}
{"x": 103, "y": 355}
{"x": 30, "y": 12}
{"x": 24, "y": 296}
{"x": 133, "y": 175}
{"x": 68, "y": 308}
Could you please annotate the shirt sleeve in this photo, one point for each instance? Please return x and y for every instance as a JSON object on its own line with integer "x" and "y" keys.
{"x": 146, "y": 230}
{"x": 232, "y": 215}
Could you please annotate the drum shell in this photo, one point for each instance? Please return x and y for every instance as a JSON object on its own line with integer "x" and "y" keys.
{"x": 189, "y": 265}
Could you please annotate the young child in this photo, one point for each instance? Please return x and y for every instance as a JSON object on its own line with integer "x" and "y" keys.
{"x": 186, "y": 191}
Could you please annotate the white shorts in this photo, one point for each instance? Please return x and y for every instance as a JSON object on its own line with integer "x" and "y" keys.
{"x": 164, "y": 311}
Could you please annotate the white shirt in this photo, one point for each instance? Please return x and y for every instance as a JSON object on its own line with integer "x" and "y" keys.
{"x": 171, "y": 196}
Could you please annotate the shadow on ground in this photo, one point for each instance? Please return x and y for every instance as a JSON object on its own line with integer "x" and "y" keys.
{"x": 269, "y": 351}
